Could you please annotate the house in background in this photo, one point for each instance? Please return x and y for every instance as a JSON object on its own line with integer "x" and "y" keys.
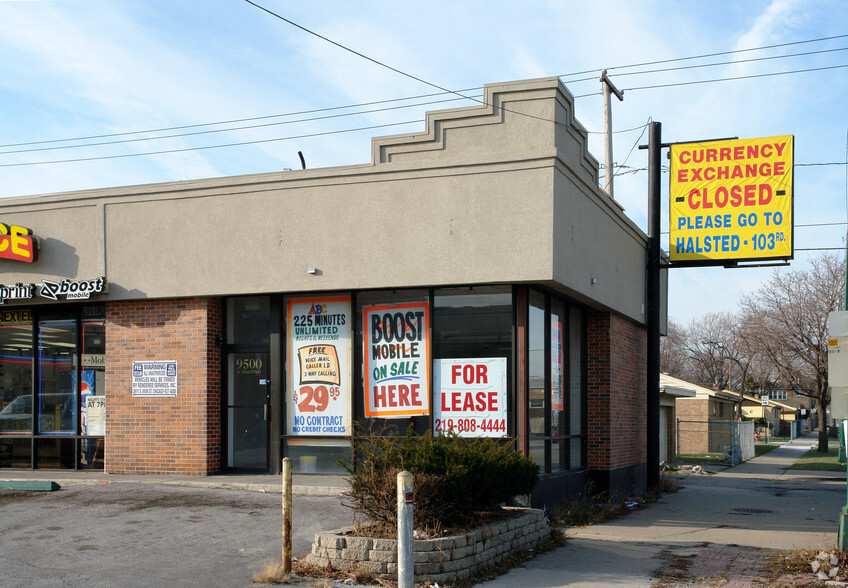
{"x": 778, "y": 414}
{"x": 670, "y": 390}
{"x": 703, "y": 419}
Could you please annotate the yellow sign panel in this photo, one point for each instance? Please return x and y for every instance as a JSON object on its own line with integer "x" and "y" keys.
{"x": 731, "y": 200}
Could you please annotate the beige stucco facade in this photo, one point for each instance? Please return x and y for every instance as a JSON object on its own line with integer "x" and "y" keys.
{"x": 489, "y": 194}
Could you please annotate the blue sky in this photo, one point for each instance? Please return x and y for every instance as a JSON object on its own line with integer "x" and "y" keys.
{"x": 82, "y": 68}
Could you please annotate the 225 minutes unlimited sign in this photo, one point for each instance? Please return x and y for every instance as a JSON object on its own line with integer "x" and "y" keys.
{"x": 319, "y": 362}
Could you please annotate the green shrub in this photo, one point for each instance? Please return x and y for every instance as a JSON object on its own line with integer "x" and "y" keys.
{"x": 454, "y": 477}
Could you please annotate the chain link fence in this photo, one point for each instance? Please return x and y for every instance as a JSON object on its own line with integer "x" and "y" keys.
{"x": 728, "y": 442}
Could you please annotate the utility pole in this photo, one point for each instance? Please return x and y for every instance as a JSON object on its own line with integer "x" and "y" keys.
{"x": 653, "y": 299}
{"x": 608, "y": 88}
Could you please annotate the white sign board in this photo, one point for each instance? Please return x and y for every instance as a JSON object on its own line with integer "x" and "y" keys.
{"x": 470, "y": 396}
{"x": 154, "y": 378}
{"x": 319, "y": 400}
{"x": 764, "y": 400}
{"x": 837, "y": 363}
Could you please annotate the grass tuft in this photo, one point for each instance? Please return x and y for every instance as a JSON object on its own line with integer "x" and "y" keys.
{"x": 272, "y": 573}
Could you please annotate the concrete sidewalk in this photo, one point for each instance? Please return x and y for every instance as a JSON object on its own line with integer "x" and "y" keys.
{"x": 716, "y": 526}
{"x": 720, "y": 526}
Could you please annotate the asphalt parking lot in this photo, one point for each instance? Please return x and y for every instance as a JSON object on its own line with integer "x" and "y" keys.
{"x": 127, "y": 534}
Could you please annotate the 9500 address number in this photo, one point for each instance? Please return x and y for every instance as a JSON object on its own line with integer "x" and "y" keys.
{"x": 471, "y": 425}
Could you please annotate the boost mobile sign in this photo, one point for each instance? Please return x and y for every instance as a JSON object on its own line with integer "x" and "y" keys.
{"x": 731, "y": 200}
{"x": 66, "y": 289}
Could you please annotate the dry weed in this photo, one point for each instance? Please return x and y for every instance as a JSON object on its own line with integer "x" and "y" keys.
{"x": 272, "y": 573}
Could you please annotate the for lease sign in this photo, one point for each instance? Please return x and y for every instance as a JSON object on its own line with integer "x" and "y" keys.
{"x": 470, "y": 396}
{"x": 731, "y": 200}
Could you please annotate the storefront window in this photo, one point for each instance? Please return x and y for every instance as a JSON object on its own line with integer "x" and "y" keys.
{"x": 575, "y": 388}
{"x": 555, "y": 364}
{"x": 383, "y": 300}
{"x": 472, "y": 346}
{"x": 15, "y": 375}
{"x": 62, "y": 425}
{"x": 57, "y": 397}
{"x": 249, "y": 320}
{"x": 558, "y": 389}
{"x": 537, "y": 389}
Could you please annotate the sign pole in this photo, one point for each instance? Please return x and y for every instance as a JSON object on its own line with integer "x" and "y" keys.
{"x": 653, "y": 304}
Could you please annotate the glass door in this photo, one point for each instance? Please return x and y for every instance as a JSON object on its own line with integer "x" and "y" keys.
{"x": 248, "y": 411}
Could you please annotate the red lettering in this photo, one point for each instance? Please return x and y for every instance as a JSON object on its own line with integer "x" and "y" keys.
{"x": 750, "y": 195}
{"x": 681, "y": 175}
{"x": 391, "y": 393}
{"x": 416, "y": 401}
{"x": 482, "y": 374}
{"x": 379, "y": 396}
{"x": 694, "y": 204}
{"x": 685, "y": 157}
{"x": 721, "y": 197}
{"x": 403, "y": 395}
{"x": 735, "y": 196}
{"x": 468, "y": 374}
{"x": 765, "y": 194}
{"x": 455, "y": 369}
{"x": 455, "y": 401}
{"x": 468, "y": 404}
{"x": 481, "y": 401}
{"x": 493, "y": 401}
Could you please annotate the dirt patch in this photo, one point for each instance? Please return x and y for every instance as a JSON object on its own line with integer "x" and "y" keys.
{"x": 16, "y": 496}
{"x": 713, "y": 565}
{"x": 163, "y": 498}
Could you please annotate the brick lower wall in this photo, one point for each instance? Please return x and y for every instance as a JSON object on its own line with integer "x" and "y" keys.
{"x": 693, "y": 429}
{"x": 617, "y": 392}
{"x": 180, "y": 435}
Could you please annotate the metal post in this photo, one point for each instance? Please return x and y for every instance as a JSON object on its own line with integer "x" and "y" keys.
{"x": 406, "y": 566}
{"x": 287, "y": 514}
{"x": 842, "y": 533}
{"x": 653, "y": 299}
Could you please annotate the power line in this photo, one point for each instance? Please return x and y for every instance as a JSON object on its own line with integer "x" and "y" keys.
{"x": 349, "y": 50}
{"x": 748, "y": 77}
{"x": 741, "y": 61}
{"x": 238, "y": 120}
{"x": 242, "y": 128}
{"x": 208, "y": 146}
{"x": 719, "y": 54}
{"x": 459, "y": 93}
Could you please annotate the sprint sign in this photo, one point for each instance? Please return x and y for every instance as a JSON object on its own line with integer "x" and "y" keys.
{"x": 470, "y": 396}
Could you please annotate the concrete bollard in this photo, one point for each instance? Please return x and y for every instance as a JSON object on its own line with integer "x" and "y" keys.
{"x": 406, "y": 565}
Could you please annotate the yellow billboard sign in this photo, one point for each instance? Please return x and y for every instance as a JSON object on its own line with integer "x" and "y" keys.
{"x": 731, "y": 200}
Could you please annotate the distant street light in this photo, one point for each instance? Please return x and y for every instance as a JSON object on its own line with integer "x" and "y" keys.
{"x": 725, "y": 354}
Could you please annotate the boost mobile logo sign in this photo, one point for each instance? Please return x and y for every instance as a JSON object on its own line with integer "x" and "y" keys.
{"x": 72, "y": 289}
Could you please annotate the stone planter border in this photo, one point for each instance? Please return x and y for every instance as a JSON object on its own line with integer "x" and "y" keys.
{"x": 441, "y": 560}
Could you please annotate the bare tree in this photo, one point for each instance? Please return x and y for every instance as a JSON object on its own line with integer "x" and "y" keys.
{"x": 674, "y": 352}
{"x": 785, "y": 321}
{"x": 714, "y": 349}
